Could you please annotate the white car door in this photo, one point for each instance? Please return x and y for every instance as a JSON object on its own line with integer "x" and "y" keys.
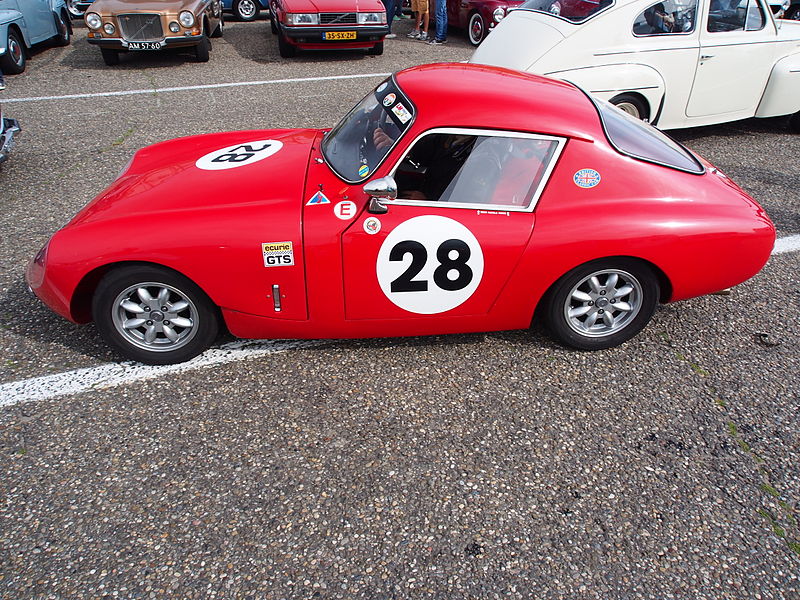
{"x": 737, "y": 52}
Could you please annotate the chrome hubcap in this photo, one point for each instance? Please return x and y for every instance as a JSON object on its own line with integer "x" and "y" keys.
{"x": 629, "y": 108}
{"x": 477, "y": 29}
{"x": 155, "y": 317}
{"x": 247, "y": 8}
{"x": 15, "y": 50}
{"x": 603, "y": 303}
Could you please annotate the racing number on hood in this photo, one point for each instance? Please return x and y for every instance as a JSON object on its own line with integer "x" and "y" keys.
{"x": 429, "y": 265}
{"x": 239, "y": 155}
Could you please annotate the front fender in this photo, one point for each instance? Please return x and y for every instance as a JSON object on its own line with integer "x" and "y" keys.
{"x": 782, "y": 94}
{"x": 8, "y": 18}
{"x": 607, "y": 81}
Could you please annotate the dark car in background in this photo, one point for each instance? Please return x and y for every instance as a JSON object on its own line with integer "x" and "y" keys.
{"x": 478, "y": 17}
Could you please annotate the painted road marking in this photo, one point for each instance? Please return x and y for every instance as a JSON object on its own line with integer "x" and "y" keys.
{"x": 115, "y": 374}
{"x": 210, "y": 86}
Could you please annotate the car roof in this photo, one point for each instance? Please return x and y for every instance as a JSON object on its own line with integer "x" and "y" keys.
{"x": 483, "y": 96}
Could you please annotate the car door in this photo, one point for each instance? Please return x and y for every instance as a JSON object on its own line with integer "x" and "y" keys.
{"x": 737, "y": 50}
{"x": 447, "y": 245}
{"x": 39, "y": 21}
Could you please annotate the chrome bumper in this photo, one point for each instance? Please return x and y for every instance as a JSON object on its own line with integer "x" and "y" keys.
{"x": 9, "y": 129}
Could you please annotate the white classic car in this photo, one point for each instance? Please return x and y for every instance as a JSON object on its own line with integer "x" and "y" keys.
{"x": 675, "y": 63}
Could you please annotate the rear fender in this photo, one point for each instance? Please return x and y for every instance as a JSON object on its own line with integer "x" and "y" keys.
{"x": 782, "y": 94}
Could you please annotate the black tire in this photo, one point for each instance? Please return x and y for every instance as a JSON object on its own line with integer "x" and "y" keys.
{"x": 794, "y": 122}
{"x": 633, "y": 105}
{"x": 13, "y": 61}
{"x": 64, "y": 28}
{"x": 793, "y": 14}
{"x": 246, "y": 10}
{"x": 110, "y": 57}
{"x": 117, "y": 302}
{"x": 201, "y": 50}
{"x": 273, "y": 27}
{"x": 219, "y": 30}
{"x": 376, "y": 50}
{"x": 476, "y": 29}
{"x": 573, "y": 307}
{"x": 285, "y": 49}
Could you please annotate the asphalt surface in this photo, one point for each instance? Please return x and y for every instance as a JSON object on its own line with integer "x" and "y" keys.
{"x": 472, "y": 466}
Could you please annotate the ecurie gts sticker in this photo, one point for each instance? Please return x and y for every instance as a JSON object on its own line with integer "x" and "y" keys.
{"x": 277, "y": 254}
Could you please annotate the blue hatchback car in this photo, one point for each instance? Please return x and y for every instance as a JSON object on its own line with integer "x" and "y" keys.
{"x": 24, "y": 23}
{"x": 245, "y": 10}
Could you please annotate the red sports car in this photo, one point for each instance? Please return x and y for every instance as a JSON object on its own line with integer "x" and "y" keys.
{"x": 328, "y": 24}
{"x": 424, "y": 211}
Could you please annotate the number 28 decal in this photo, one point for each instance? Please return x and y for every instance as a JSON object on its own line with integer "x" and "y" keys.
{"x": 239, "y": 155}
{"x": 429, "y": 265}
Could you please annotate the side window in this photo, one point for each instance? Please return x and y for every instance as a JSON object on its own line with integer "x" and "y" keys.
{"x": 470, "y": 169}
{"x": 669, "y": 16}
{"x": 735, "y": 15}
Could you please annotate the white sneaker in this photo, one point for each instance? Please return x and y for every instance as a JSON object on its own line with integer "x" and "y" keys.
{"x": 390, "y": 36}
{"x": 414, "y": 34}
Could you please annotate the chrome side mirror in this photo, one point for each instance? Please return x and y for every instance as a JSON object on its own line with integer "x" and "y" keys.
{"x": 383, "y": 189}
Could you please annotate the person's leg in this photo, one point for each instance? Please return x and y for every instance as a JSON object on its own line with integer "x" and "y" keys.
{"x": 441, "y": 20}
{"x": 389, "y": 5}
{"x": 2, "y": 81}
{"x": 424, "y": 29}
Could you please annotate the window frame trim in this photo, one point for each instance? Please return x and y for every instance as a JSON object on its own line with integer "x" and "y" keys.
{"x": 537, "y": 194}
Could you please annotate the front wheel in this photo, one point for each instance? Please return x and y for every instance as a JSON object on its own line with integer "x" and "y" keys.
{"x": 476, "y": 29}
{"x": 794, "y": 122}
{"x": 110, "y": 57}
{"x": 201, "y": 50}
{"x": 631, "y": 104}
{"x": 153, "y": 315}
{"x": 246, "y": 10}
{"x": 601, "y": 304}
{"x": 793, "y": 13}
{"x": 285, "y": 49}
{"x": 13, "y": 61}
{"x": 219, "y": 30}
{"x": 376, "y": 50}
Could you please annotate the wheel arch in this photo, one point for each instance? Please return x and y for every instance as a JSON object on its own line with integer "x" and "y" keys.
{"x": 81, "y": 302}
{"x": 664, "y": 284}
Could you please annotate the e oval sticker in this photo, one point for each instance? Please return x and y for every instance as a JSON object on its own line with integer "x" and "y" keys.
{"x": 239, "y": 155}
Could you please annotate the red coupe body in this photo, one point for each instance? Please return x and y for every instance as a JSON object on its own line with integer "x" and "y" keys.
{"x": 284, "y": 240}
{"x": 328, "y": 24}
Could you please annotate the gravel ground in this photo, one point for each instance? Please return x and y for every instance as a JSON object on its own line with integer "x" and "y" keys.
{"x": 479, "y": 466}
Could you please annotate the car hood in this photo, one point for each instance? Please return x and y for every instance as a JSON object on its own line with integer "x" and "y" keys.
{"x": 521, "y": 39}
{"x": 117, "y": 6}
{"x": 334, "y": 6}
{"x": 170, "y": 177}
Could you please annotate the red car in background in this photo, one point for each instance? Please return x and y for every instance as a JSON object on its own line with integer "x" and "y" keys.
{"x": 424, "y": 211}
{"x": 477, "y": 17}
{"x": 328, "y": 25}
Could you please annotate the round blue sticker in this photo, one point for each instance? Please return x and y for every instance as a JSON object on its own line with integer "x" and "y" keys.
{"x": 363, "y": 171}
{"x": 586, "y": 178}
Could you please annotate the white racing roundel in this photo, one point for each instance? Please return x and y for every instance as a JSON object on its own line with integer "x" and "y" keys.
{"x": 238, "y": 155}
{"x": 429, "y": 265}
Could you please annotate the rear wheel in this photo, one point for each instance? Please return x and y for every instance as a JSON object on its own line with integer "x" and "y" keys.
{"x": 601, "y": 304}
{"x": 13, "y": 61}
{"x": 110, "y": 57}
{"x": 64, "y": 29}
{"x": 376, "y": 50}
{"x": 246, "y": 10}
{"x": 285, "y": 49}
{"x": 794, "y": 122}
{"x": 631, "y": 104}
{"x": 476, "y": 29}
{"x": 154, "y": 315}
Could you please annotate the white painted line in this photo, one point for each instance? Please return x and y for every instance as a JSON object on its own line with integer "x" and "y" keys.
{"x": 787, "y": 244}
{"x": 114, "y": 374}
{"x": 210, "y": 86}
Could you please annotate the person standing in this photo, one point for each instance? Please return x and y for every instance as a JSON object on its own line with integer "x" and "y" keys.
{"x": 2, "y": 81}
{"x": 420, "y": 8}
{"x": 390, "y": 8}
{"x": 441, "y": 23}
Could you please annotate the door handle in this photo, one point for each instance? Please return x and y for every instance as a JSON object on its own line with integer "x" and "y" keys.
{"x": 706, "y": 56}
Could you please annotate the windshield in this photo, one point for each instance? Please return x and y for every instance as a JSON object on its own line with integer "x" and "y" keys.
{"x": 574, "y": 11}
{"x": 358, "y": 144}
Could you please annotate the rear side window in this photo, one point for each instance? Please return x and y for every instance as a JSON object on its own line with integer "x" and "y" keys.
{"x": 640, "y": 140}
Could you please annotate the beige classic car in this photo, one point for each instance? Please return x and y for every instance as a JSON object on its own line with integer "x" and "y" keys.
{"x": 150, "y": 25}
